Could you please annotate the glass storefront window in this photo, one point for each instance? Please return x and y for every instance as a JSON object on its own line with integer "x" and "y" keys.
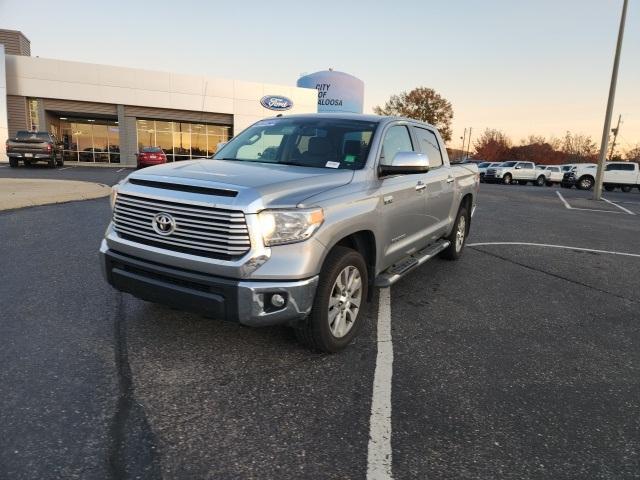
{"x": 198, "y": 140}
{"x": 34, "y": 116}
{"x": 181, "y": 140}
{"x": 90, "y": 140}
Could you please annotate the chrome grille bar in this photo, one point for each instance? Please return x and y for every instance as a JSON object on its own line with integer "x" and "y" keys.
{"x": 199, "y": 230}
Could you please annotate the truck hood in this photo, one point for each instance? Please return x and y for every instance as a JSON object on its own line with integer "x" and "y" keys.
{"x": 258, "y": 185}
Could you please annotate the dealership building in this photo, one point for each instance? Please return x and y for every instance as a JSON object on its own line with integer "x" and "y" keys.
{"x": 106, "y": 114}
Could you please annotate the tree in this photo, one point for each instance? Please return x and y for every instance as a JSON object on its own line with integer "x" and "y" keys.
{"x": 578, "y": 148}
{"x": 424, "y": 104}
{"x": 493, "y": 146}
{"x": 633, "y": 155}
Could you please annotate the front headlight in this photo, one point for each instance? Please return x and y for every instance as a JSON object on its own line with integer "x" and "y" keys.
{"x": 289, "y": 226}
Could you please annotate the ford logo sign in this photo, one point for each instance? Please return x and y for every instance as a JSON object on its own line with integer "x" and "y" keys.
{"x": 276, "y": 102}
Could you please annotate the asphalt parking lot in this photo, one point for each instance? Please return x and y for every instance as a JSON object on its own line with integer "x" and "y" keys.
{"x": 521, "y": 360}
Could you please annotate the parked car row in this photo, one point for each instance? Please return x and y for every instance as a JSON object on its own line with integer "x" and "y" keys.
{"x": 622, "y": 175}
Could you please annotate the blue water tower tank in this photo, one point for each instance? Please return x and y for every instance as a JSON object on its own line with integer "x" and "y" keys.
{"x": 337, "y": 91}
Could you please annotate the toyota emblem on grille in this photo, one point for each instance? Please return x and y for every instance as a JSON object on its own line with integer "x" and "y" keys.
{"x": 163, "y": 223}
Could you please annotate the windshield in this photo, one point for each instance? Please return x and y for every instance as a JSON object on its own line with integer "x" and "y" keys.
{"x": 508, "y": 164}
{"x": 484, "y": 164}
{"x": 306, "y": 142}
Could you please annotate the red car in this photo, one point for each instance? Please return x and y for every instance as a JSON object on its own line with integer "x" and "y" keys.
{"x": 151, "y": 156}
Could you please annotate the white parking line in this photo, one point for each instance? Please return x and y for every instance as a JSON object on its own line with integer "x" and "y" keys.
{"x": 619, "y": 206}
{"x": 118, "y": 171}
{"x": 566, "y": 247}
{"x": 64, "y": 168}
{"x": 379, "y": 450}
{"x": 569, "y": 207}
{"x": 566, "y": 204}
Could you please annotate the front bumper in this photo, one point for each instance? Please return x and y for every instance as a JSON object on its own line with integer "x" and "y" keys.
{"x": 246, "y": 302}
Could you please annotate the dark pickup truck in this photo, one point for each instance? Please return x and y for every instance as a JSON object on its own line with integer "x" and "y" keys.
{"x": 33, "y": 147}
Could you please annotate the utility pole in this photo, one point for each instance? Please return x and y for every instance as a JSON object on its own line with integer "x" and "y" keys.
{"x": 615, "y": 136}
{"x": 597, "y": 194}
{"x": 469, "y": 141}
{"x": 464, "y": 137}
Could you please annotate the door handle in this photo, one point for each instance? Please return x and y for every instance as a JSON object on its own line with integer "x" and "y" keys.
{"x": 450, "y": 179}
{"x": 420, "y": 186}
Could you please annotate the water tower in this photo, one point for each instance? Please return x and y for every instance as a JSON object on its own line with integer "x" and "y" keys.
{"x": 337, "y": 91}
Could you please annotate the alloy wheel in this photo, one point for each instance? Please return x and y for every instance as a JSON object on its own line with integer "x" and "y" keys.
{"x": 344, "y": 303}
{"x": 460, "y": 233}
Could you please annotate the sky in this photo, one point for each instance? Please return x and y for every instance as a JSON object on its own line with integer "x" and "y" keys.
{"x": 524, "y": 67}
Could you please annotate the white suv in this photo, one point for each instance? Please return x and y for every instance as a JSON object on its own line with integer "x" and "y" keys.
{"x": 623, "y": 175}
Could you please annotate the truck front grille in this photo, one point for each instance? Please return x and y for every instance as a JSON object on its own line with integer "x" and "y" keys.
{"x": 198, "y": 230}
{"x": 490, "y": 172}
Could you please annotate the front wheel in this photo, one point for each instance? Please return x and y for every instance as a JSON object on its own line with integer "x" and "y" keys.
{"x": 585, "y": 183}
{"x": 458, "y": 236}
{"x": 338, "y": 308}
{"x": 507, "y": 179}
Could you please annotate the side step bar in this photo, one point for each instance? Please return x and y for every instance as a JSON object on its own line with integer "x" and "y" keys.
{"x": 394, "y": 273}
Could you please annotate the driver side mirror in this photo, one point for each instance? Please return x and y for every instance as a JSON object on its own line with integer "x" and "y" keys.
{"x": 405, "y": 163}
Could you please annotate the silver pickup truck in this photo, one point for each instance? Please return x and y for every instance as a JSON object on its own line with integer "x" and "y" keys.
{"x": 294, "y": 221}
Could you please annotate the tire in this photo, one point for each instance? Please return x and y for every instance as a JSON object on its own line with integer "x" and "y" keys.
{"x": 540, "y": 181}
{"x": 318, "y": 331}
{"x": 625, "y": 188}
{"x": 13, "y": 162}
{"x": 458, "y": 236}
{"x": 507, "y": 179}
{"x": 52, "y": 162}
{"x": 609, "y": 188}
{"x": 585, "y": 183}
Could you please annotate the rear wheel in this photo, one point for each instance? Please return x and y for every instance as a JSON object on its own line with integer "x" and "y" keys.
{"x": 609, "y": 188}
{"x": 52, "y": 162}
{"x": 338, "y": 308}
{"x": 458, "y": 236}
{"x": 13, "y": 162}
{"x": 507, "y": 179}
{"x": 625, "y": 188}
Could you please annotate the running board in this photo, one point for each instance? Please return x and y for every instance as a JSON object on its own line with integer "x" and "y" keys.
{"x": 398, "y": 270}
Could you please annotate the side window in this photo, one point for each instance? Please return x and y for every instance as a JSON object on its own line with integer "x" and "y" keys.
{"x": 611, "y": 166}
{"x": 628, "y": 168}
{"x": 528, "y": 165}
{"x": 397, "y": 139}
{"x": 428, "y": 143}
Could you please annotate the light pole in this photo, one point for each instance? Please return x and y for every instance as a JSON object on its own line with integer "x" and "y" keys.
{"x": 597, "y": 194}
{"x": 463, "y": 138}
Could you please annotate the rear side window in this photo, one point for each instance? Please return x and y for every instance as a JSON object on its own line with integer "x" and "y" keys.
{"x": 429, "y": 144}
{"x": 628, "y": 167}
{"x": 397, "y": 139}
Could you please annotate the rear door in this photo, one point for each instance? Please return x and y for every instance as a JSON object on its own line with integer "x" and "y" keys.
{"x": 439, "y": 181}
{"x": 403, "y": 218}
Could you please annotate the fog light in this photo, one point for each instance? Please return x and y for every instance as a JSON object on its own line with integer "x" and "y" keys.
{"x": 277, "y": 300}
